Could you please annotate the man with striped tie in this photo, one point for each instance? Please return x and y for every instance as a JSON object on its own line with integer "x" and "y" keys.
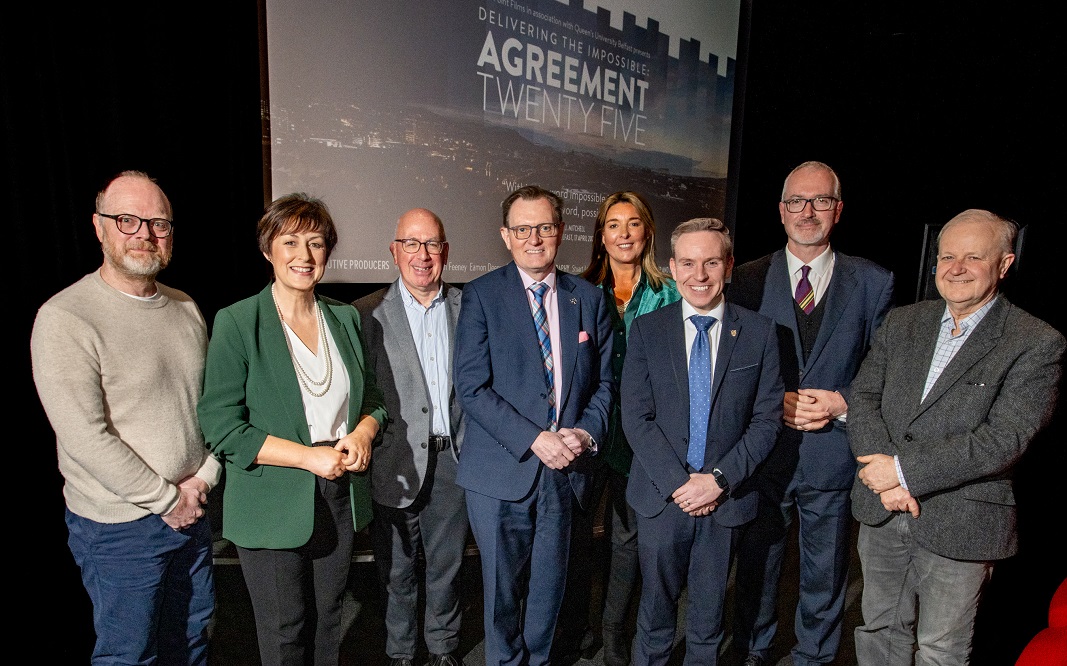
{"x": 827, "y": 306}
{"x": 532, "y": 369}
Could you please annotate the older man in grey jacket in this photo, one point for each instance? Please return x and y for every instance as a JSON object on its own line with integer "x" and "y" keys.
{"x": 943, "y": 407}
{"x": 410, "y": 330}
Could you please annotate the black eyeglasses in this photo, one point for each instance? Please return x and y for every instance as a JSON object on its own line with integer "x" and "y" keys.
{"x": 546, "y": 230}
{"x": 160, "y": 227}
{"x": 796, "y": 204}
{"x": 411, "y": 246}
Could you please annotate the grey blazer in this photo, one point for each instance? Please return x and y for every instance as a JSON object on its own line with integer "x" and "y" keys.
{"x": 398, "y": 463}
{"x": 958, "y": 447}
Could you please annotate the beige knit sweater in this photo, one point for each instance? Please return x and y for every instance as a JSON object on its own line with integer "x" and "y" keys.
{"x": 119, "y": 379}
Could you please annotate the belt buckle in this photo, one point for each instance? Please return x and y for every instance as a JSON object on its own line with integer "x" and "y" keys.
{"x": 440, "y": 442}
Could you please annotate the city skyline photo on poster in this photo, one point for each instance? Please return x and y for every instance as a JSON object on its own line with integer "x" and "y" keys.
{"x": 382, "y": 107}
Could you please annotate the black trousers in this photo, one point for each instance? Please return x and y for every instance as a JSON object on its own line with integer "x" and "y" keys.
{"x": 297, "y": 593}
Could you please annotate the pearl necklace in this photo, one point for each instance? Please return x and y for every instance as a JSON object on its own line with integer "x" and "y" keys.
{"x": 324, "y": 346}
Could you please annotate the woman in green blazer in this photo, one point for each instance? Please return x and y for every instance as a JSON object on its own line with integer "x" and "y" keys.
{"x": 290, "y": 408}
{"x": 623, "y": 264}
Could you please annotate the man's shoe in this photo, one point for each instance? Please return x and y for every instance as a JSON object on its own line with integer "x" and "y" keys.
{"x": 400, "y": 661}
{"x": 590, "y": 645}
{"x": 754, "y": 660}
{"x": 616, "y": 646}
{"x": 448, "y": 659}
{"x": 565, "y": 659}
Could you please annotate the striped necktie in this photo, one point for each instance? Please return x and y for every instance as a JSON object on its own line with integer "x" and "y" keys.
{"x": 805, "y": 294}
{"x": 541, "y": 321}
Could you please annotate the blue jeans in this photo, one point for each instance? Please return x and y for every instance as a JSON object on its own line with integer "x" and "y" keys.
{"x": 911, "y": 593}
{"x": 152, "y": 588}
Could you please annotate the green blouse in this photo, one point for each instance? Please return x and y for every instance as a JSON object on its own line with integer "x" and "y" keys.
{"x": 645, "y": 298}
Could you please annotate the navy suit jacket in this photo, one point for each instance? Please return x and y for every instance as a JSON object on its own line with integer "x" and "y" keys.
{"x": 746, "y": 408}
{"x": 856, "y": 301}
{"x": 499, "y": 378}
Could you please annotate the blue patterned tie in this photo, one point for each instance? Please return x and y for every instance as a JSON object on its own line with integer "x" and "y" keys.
{"x": 699, "y": 391}
{"x": 541, "y": 320}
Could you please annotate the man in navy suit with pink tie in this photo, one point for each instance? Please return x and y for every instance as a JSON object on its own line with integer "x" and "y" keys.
{"x": 532, "y": 370}
{"x": 702, "y": 407}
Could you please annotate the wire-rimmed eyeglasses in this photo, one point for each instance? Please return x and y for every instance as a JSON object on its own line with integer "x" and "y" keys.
{"x": 411, "y": 246}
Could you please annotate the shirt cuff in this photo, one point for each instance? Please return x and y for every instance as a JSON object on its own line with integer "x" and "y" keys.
{"x": 900, "y": 473}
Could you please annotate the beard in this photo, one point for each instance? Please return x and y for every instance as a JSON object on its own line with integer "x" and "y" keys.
{"x": 136, "y": 266}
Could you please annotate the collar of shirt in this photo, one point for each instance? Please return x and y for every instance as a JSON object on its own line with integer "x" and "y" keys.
{"x": 822, "y": 269}
{"x": 411, "y": 301}
{"x": 969, "y": 323}
{"x": 713, "y": 332}
{"x": 528, "y": 281}
{"x": 717, "y": 311}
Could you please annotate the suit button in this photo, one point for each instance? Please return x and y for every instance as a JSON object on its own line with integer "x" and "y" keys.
{"x": 424, "y": 410}
{"x": 907, "y": 438}
{"x": 423, "y": 445}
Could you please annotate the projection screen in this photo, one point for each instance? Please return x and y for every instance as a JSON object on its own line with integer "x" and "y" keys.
{"x": 380, "y": 107}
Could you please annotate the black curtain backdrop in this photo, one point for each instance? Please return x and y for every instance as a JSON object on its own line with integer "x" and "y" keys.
{"x": 923, "y": 111}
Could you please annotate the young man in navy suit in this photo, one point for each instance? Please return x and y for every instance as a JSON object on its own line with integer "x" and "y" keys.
{"x": 532, "y": 371}
{"x": 827, "y": 306}
{"x": 702, "y": 407}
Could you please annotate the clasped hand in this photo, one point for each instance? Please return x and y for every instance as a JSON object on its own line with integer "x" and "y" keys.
{"x": 812, "y": 409}
{"x": 559, "y": 449}
{"x": 190, "y": 507}
{"x": 698, "y": 496}
{"x": 879, "y": 473}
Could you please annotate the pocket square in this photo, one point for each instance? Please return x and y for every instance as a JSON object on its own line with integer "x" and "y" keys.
{"x": 583, "y": 337}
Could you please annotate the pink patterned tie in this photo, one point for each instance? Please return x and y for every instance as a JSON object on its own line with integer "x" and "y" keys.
{"x": 805, "y": 294}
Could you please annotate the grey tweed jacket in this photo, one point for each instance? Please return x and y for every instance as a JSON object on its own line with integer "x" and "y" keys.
{"x": 958, "y": 447}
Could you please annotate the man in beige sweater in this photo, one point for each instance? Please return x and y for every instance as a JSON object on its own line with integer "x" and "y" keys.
{"x": 118, "y": 361}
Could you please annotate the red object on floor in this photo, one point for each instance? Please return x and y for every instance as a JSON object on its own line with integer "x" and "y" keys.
{"x": 1049, "y": 646}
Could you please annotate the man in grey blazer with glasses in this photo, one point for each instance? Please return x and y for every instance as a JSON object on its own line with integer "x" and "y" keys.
{"x": 943, "y": 407}
{"x": 410, "y": 331}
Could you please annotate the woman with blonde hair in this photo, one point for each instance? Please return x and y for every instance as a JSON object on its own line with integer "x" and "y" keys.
{"x": 623, "y": 264}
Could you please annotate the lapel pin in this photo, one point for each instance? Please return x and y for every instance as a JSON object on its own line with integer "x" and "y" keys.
{"x": 733, "y": 332}
{"x": 574, "y": 301}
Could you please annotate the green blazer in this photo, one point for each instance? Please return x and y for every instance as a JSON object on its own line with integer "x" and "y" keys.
{"x": 250, "y": 391}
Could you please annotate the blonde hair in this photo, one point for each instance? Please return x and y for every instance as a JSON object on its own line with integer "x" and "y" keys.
{"x": 599, "y": 269}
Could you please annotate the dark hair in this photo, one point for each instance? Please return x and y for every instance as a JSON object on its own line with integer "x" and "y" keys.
{"x": 532, "y": 193}
{"x": 294, "y": 213}
{"x": 705, "y": 224}
{"x": 599, "y": 269}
